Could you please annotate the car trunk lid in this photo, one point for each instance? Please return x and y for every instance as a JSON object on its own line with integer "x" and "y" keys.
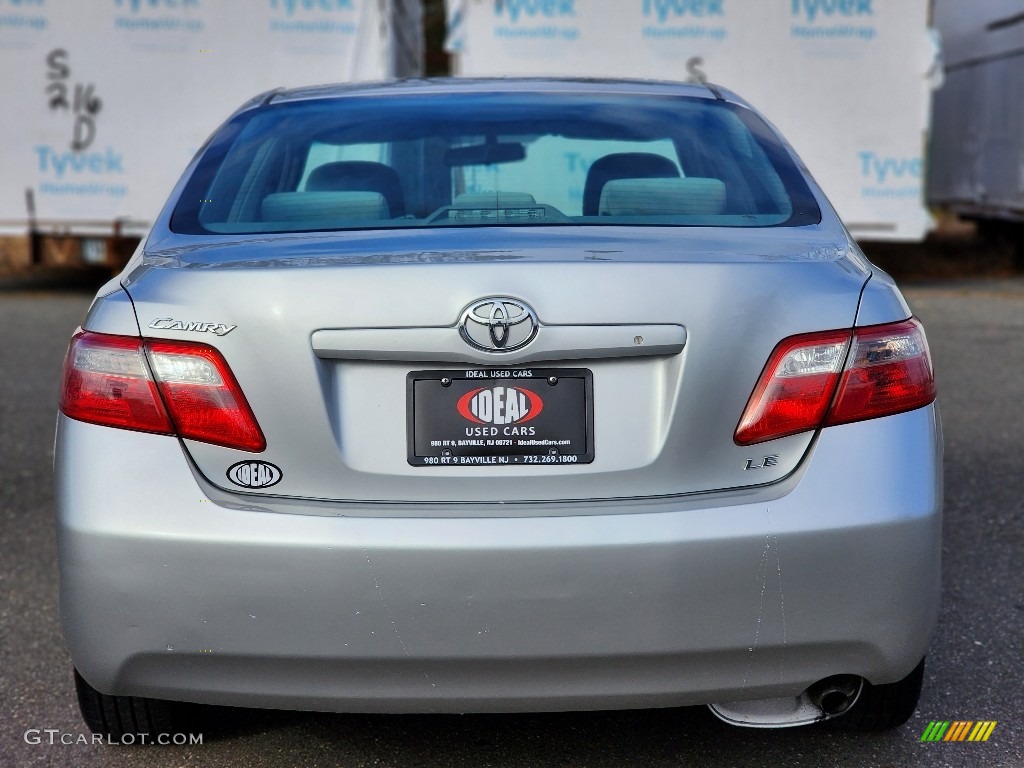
{"x": 664, "y": 332}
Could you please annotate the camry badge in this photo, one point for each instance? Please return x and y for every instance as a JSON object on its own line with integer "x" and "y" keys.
{"x": 498, "y": 324}
{"x": 170, "y": 324}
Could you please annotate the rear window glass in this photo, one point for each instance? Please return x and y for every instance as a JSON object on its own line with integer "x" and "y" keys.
{"x": 477, "y": 159}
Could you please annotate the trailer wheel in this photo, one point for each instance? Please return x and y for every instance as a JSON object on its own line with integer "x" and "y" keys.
{"x": 998, "y": 233}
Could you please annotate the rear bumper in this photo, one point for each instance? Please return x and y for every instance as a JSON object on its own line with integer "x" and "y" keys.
{"x": 166, "y": 593}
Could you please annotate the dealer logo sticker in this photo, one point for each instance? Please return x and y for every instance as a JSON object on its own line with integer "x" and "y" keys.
{"x": 500, "y": 405}
{"x": 254, "y": 474}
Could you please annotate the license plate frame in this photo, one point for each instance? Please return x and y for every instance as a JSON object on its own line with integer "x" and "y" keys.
{"x": 487, "y": 417}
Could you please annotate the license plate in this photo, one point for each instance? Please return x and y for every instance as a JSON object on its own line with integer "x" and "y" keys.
{"x": 493, "y": 417}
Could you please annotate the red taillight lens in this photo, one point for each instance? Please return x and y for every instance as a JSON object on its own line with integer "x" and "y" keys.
{"x": 204, "y": 400}
{"x": 795, "y": 388}
{"x": 890, "y": 371}
{"x": 108, "y": 380}
{"x": 806, "y": 385}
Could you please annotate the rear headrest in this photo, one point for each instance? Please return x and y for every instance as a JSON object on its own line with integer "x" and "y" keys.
{"x": 359, "y": 176}
{"x": 623, "y": 165}
{"x": 490, "y": 199}
{"x": 338, "y": 207}
{"x": 692, "y": 196}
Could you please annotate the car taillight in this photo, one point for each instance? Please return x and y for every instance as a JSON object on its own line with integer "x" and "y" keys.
{"x": 835, "y": 377}
{"x": 795, "y": 388}
{"x": 889, "y": 371}
{"x": 106, "y": 381}
{"x": 183, "y": 388}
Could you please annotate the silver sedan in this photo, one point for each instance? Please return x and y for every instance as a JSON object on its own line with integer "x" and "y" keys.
{"x": 494, "y": 396}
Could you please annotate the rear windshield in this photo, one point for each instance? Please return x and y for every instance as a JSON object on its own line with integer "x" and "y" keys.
{"x": 478, "y": 159}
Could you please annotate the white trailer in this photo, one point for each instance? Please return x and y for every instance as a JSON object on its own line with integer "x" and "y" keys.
{"x": 847, "y": 81}
{"x": 106, "y": 101}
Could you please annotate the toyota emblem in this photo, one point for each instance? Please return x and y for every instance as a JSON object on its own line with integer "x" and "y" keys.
{"x": 498, "y": 324}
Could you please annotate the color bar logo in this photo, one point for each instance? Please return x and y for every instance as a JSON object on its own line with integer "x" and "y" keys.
{"x": 958, "y": 730}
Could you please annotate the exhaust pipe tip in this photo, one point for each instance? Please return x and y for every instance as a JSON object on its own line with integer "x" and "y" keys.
{"x": 835, "y": 695}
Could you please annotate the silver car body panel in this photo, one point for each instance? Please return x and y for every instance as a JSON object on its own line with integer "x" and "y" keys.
{"x": 881, "y": 301}
{"x": 112, "y": 312}
{"x": 167, "y": 592}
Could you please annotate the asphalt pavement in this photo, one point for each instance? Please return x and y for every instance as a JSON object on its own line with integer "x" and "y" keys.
{"x": 974, "y": 667}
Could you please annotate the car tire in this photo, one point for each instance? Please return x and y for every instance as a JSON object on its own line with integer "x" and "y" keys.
{"x": 881, "y": 707}
{"x": 119, "y": 718}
